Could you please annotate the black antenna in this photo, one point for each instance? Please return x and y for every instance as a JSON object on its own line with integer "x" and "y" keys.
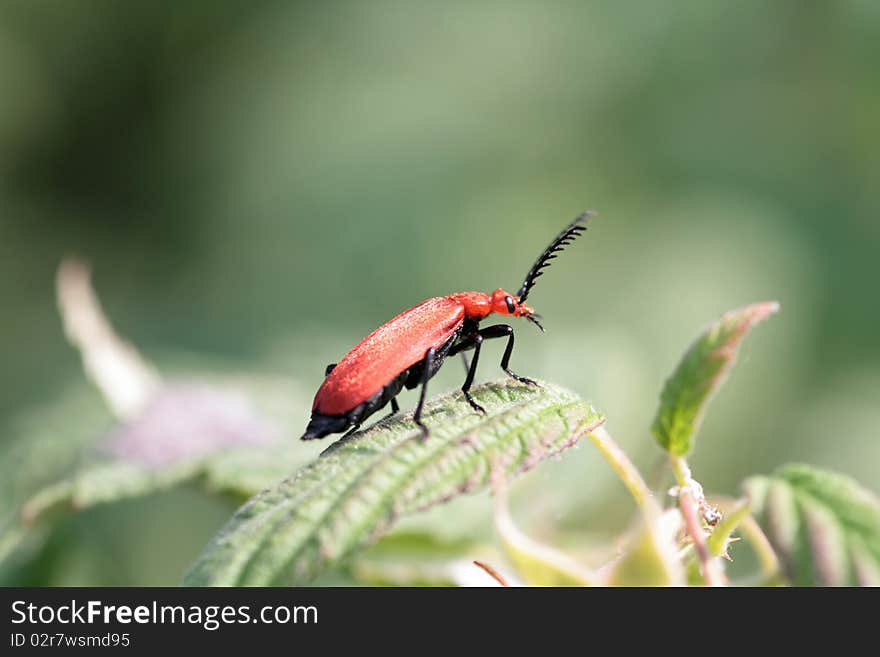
{"x": 564, "y": 238}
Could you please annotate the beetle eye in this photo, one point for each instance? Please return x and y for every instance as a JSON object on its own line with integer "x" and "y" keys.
{"x": 510, "y": 306}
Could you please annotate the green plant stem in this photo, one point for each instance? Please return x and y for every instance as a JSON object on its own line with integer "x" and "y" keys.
{"x": 537, "y": 563}
{"x": 708, "y": 565}
{"x": 652, "y": 539}
{"x": 625, "y": 469}
{"x": 769, "y": 562}
{"x": 681, "y": 470}
{"x": 690, "y": 501}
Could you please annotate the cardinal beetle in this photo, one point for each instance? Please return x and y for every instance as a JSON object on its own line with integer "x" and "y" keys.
{"x": 408, "y": 350}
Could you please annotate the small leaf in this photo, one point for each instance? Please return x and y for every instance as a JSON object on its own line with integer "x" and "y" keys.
{"x": 701, "y": 371}
{"x": 721, "y": 536}
{"x": 357, "y": 489}
{"x": 824, "y": 526}
{"x": 538, "y": 564}
{"x": 651, "y": 558}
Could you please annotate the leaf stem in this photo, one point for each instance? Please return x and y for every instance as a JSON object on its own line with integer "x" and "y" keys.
{"x": 536, "y": 562}
{"x": 708, "y": 565}
{"x": 769, "y": 562}
{"x": 681, "y": 470}
{"x": 625, "y": 469}
{"x": 692, "y": 502}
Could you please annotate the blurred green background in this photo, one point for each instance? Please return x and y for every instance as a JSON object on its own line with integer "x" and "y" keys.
{"x": 258, "y": 185}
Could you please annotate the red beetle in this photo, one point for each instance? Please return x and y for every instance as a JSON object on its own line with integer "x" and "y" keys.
{"x": 408, "y": 350}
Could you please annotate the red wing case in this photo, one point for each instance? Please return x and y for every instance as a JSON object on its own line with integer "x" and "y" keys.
{"x": 386, "y": 352}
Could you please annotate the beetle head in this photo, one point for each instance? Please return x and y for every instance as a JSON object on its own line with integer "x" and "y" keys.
{"x": 505, "y": 303}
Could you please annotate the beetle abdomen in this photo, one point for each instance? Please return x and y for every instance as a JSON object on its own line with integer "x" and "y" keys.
{"x": 386, "y": 353}
{"x": 321, "y": 425}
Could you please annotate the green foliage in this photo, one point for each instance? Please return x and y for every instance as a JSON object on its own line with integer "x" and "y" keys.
{"x": 250, "y": 209}
{"x": 813, "y": 526}
{"x": 45, "y": 445}
{"x": 11, "y": 536}
{"x": 241, "y": 472}
{"x": 358, "y": 488}
{"x": 538, "y": 564}
{"x": 699, "y": 374}
{"x": 721, "y": 536}
{"x": 59, "y": 466}
{"x": 48, "y": 443}
{"x": 651, "y": 558}
{"x": 824, "y": 526}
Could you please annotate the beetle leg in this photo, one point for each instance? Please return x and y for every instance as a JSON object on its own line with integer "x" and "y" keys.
{"x": 477, "y": 340}
{"x": 426, "y": 374}
{"x": 351, "y": 431}
{"x": 394, "y": 409}
{"x": 501, "y": 331}
{"x": 329, "y": 369}
{"x": 465, "y": 345}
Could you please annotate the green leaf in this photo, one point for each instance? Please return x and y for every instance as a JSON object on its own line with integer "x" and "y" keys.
{"x": 44, "y": 444}
{"x": 651, "y": 558}
{"x": 701, "y": 371}
{"x": 239, "y": 471}
{"x": 191, "y": 432}
{"x": 537, "y": 563}
{"x": 209, "y": 428}
{"x": 824, "y": 526}
{"x": 721, "y": 536}
{"x": 11, "y": 537}
{"x": 357, "y": 489}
